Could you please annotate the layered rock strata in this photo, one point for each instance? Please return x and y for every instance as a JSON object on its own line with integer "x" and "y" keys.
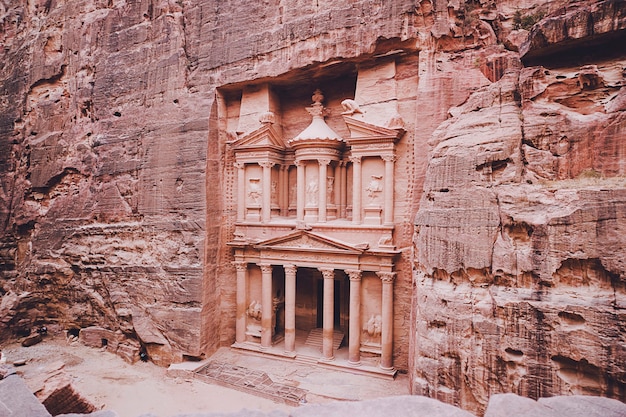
{"x": 114, "y": 170}
{"x": 520, "y": 275}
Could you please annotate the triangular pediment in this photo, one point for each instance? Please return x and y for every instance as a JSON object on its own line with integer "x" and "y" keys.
{"x": 266, "y": 136}
{"x": 360, "y": 129}
{"x": 307, "y": 241}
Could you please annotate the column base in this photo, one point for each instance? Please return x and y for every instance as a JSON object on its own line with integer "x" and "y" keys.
{"x": 354, "y": 363}
{"x": 331, "y": 359}
{"x": 384, "y": 368}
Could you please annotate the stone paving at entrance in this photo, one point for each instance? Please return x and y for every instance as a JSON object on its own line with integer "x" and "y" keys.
{"x": 251, "y": 381}
{"x": 287, "y": 381}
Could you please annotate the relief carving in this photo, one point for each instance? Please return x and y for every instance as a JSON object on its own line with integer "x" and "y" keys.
{"x": 330, "y": 188}
{"x": 375, "y": 325}
{"x": 374, "y": 188}
{"x": 311, "y": 193}
{"x": 274, "y": 192}
{"x": 292, "y": 195}
{"x": 254, "y": 310}
{"x": 255, "y": 191}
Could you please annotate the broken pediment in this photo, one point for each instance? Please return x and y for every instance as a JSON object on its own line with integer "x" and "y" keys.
{"x": 303, "y": 240}
{"x": 362, "y": 130}
{"x": 266, "y": 137}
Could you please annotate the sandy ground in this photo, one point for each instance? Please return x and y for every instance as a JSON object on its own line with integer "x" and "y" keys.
{"x": 144, "y": 388}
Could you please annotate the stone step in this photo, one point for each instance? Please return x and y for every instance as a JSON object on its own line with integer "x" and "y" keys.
{"x": 306, "y": 359}
{"x": 315, "y": 339}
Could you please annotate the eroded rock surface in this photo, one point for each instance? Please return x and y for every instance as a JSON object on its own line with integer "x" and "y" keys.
{"x": 520, "y": 282}
{"x": 114, "y": 210}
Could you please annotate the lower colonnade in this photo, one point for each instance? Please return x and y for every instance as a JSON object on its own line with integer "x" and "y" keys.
{"x": 328, "y": 322}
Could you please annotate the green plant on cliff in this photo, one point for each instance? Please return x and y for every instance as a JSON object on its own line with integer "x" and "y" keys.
{"x": 526, "y": 21}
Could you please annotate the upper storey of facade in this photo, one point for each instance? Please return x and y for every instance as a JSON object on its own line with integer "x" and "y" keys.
{"x": 339, "y": 180}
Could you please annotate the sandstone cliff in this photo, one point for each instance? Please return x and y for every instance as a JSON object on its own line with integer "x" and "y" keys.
{"x": 113, "y": 161}
{"x": 520, "y": 272}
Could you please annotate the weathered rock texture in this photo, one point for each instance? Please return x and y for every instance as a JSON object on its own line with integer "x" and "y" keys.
{"x": 520, "y": 268}
{"x": 112, "y": 168}
{"x": 103, "y": 174}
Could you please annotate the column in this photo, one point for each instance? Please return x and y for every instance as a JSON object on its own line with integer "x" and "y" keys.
{"x": 322, "y": 190}
{"x": 389, "y": 182}
{"x": 266, "y": 305}
{"x": 241, "y": 190}
{"x": 266, "y": 210}
{"x": 343, "y": 187}
{"x": 283, "y": 190}
{"x": 300, "y": 189}
{"x": 337, "y": 187}
{"x": 386, "y": 357}
{"x": 242, "y": 290}
{"x": 356, "y": 189}
{"x": 354, "y": 346}
{"x": 329, "y": 313}
{"x": 290, "y": 308}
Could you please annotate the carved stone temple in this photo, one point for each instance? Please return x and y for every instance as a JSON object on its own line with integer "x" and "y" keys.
{"x": 314, "y": 238}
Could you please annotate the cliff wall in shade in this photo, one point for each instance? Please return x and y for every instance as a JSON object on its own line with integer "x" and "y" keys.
{"x": 113, "y": 163}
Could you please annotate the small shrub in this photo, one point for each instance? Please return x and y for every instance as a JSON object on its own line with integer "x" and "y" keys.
{"x": 526, "y": 21}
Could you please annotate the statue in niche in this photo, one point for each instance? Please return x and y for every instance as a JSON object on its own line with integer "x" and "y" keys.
{"x": 350, "y": 107}
{"x": 254, "y": 191}
{"x": 293, "y": 193}
{"x": 254, "y": 310}
{"x": 330, "y": 188}
{"x": 374, "y": 188}
{"x": 311, "y": 193}
{"x": 374, "y": 325}
{"x": 274, "y": 194}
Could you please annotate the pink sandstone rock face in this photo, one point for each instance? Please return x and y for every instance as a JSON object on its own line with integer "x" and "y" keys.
{"x": 519, "y": 268}
{"x": 116, "y": 176}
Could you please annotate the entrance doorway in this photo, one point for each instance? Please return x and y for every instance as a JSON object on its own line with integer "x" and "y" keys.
{"x": 340, "y": 304}
{"x": 310, "y": 300}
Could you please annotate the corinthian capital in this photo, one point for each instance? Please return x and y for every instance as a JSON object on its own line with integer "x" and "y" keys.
{"x": 327, "y": 273}
{"x": 386, "y": 277}
{"x": 354, "y": 274}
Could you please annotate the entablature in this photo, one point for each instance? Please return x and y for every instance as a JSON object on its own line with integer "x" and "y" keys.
{"x": 306, "y": 249}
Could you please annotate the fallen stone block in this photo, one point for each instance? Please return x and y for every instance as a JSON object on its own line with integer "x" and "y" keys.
{"x": 59, "y": 396}
{"x": 16, "y": 399}
{"x": 31, "y": 340}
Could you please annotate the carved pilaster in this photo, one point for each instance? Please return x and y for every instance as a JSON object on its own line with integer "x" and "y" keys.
{"x": 290, "y": 307}
{"x": 300, "y": 190}
{"x": 241, "y": 190}
{"x": 266, "y": 207}
{"x": 354, "y": 347}
{"x": 386, "y": 356}
{"x": 266, "y": 305}
{"x": 389, "y": 182}
{"x": 328, "y": 317}
{"x": 357, "y": 189}
{"x": 322, "y": 190}
{"x": 240, "y": 323}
